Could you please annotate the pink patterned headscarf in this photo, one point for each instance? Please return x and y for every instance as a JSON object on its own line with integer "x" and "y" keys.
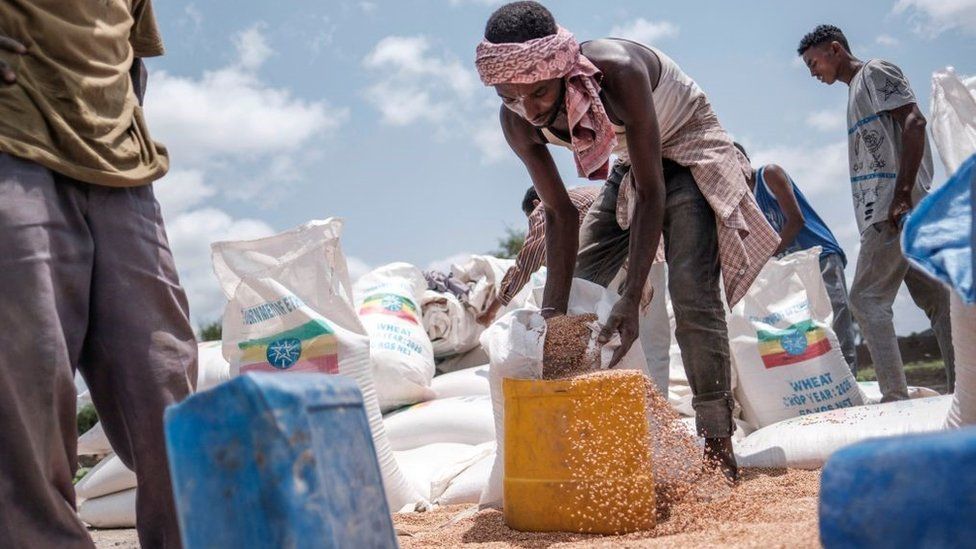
{"x": 558, "y": 56}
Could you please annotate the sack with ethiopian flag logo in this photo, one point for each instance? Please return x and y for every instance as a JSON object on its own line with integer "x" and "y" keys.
{"x": 786, "y": 356}
{"x": 388, "y": 301}
{"x": 291, "y": 310}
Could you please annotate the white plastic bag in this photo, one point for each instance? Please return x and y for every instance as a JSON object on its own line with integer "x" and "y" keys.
{"x": 953, "y": 118}
{"x": 786, "y": 356}
{"x": 291, "y": 309}
{"x": 807, "y": 441}
{"x": 515, "y": 346}
{"x": 963, "y": 410}
{"x": 388, "y": 301}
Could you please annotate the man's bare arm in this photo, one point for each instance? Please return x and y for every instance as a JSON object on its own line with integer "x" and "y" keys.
{"x": 779, "y": 183}
{"x": 912, "y": 123}
{"x": 629, "y": 93}
{"x": 562, "y": 219}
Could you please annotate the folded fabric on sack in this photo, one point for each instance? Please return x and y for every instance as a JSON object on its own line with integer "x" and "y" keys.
{"x": 450, "y": 325}
{"x": 462, "y": 420}
{"x": 807, "y": 441}
{"x": 388, "y": 300}
{"x": 483, "y": 274}
{"x": 291, "y": 308}
{"x": 446, "y": 283}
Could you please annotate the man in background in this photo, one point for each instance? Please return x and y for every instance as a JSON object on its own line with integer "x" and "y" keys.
{"x": 800, "y": 228}
{"x": 891, "y": 170}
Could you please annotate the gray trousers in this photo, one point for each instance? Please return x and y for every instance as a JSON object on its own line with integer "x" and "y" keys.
{"x": 691, "y": 248}
{"x": 881, "y": 268}
{"x": 88, "y": 283}
{"x": 832, "y": 271}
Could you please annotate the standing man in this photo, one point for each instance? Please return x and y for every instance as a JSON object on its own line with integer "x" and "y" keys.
{"x": 891, "y": 170}
{"x": 800, "y": 228}
{"x": 677, "y": 174}
{"x": 87, "y": 275}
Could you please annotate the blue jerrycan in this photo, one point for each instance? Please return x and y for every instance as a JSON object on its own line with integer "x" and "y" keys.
{"x": 908, "y": 491}
{"x": 272, "y": 460}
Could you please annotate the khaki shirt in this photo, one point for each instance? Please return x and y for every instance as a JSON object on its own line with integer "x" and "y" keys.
{"x": 73, "y": 108}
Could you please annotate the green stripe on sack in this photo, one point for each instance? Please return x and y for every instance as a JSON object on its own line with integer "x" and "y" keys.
{"x": 308, "y": 330}
{"x": 775, "y": 334}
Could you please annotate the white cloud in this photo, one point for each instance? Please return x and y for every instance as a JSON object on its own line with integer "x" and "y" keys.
{"x": 490, "y": 140}
{"x": 192, "y": 14}
{"x": 821, "y": 169}
{"x": 886, "y": 40}
{"x": 830, "y": 120}
{"x": 181, "y": 190}
{"x": 444, "y": 264}
{"x": 226, "y": 125}
{"x": 644, "y": 31}
{"x": 190, "y": 235}
{"x": 231, "y": 112}
{"x": 368, "y": 7}
{"x": 415, "y": 84}
{"x": 932, "y": 17}
{"x": 252, "y": 47}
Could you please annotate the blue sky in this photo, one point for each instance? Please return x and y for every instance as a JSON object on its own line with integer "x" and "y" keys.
{"x": 280, "y": 112}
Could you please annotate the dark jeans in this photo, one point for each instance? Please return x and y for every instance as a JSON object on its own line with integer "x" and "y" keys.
{"x": 87, "y": 282}
{"x": 691, "y": 249}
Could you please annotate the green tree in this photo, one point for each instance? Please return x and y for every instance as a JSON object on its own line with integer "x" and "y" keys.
{"x": 87, "y": 418}
{"x": 511, "y": 244}
{"x": 211, "y": 331}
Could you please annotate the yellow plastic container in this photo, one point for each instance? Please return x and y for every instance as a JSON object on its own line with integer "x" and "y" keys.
{"x": 578, "y": 455}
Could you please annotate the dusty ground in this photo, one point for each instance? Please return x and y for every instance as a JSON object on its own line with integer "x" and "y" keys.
{"x": 768, "y": 508}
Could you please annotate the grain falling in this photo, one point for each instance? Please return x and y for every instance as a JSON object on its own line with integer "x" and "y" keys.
{"x": 567, "y": 350}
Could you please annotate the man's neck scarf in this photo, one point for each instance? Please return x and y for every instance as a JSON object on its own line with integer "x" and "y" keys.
{"x": 558, "y": 56}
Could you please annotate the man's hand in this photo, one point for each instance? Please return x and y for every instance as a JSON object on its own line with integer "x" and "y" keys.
{"x": 901, "y": 204}
{"x": 624, "y": 319}
{"x": 7, "y": 74}
{"x": 488, "y": 316}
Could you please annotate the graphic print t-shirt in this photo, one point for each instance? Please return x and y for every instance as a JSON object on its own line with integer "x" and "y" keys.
{"x": 874, "y": 141}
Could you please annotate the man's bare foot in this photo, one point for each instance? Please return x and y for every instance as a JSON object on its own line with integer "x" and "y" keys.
{"x": 718, "y": 451}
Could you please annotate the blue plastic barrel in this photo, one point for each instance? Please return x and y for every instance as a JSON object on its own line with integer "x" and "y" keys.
{"x": 911, "y": 491}
{"x": 277, "y": 460}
